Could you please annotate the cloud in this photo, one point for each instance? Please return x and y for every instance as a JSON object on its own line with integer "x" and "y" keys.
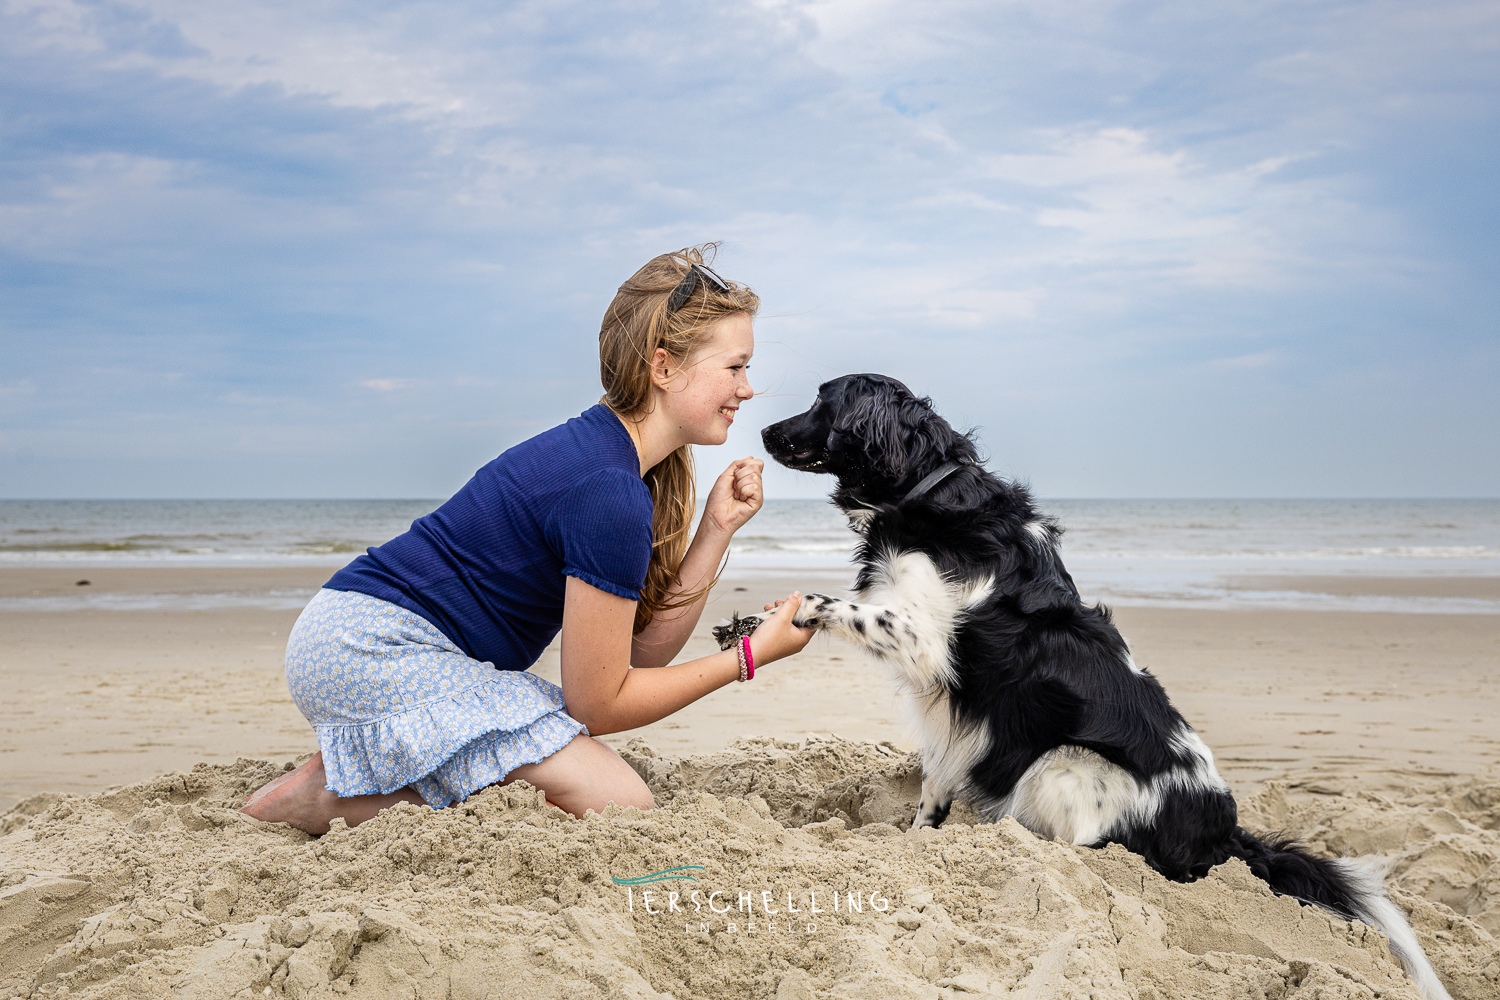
{"x": 277, "y": 200}
{"x": 1131, "y": 204}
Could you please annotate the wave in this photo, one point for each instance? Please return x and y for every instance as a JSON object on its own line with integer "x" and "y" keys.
{"x": 273, "y": 600}
{"x": 1478, "y": 552}
{"x": 830, "y": 546}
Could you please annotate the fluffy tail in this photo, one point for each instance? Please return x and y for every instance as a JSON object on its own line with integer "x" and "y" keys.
{"x": 1348, "y": 887}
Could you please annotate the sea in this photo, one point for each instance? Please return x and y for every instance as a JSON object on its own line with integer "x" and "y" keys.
{"x": 1173, "y": 553}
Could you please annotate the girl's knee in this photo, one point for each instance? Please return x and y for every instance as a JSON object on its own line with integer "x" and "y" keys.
{"x": 599, "y": 793}
{"x": 640, "y": 796}
{"x": 586, "y": 774}
{"x": 615, "y": 781}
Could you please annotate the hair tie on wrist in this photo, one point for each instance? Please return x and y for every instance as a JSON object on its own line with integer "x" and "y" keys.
{"x": 746, "y": 658}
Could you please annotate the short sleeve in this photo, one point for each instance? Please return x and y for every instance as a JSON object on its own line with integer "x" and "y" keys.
{"x": 602, "y": 528}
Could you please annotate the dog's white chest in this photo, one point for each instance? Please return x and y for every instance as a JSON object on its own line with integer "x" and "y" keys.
{"x": 907, "y": 614}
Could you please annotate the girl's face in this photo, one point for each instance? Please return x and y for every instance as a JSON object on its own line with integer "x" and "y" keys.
{"x": 702, "y": 396}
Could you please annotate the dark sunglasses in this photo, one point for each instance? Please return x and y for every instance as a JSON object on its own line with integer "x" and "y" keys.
{"x": 685, "y": 287}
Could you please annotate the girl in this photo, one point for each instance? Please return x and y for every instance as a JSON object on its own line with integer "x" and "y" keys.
{"x": 411, "y": 662}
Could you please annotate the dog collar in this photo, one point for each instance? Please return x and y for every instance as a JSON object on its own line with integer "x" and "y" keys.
{"x": 932, "y": 479}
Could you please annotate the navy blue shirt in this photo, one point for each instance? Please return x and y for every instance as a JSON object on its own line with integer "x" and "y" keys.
{"x": 488, "y": 567}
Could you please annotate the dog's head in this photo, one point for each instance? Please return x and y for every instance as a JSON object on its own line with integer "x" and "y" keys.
{"x": 869, "y": 430}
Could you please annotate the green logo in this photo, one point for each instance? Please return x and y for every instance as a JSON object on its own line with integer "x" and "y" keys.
{"x": 664, "y": 875}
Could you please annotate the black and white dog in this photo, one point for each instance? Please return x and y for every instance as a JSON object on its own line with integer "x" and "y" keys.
{"x": 1026, "y": 700}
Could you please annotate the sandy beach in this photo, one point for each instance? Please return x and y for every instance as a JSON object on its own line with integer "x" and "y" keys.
{"x": 1367, "y": 732}
{"x": 99, "y": 697}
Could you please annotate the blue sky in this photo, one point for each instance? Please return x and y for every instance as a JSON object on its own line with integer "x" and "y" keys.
{"x": 357, "y": 249}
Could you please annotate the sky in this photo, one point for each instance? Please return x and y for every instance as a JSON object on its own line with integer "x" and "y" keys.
{"x": 336, "y": 249}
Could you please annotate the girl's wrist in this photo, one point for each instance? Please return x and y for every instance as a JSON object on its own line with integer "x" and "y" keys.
{"x": 710, "y": 532}
{"x": 745, "y": 660}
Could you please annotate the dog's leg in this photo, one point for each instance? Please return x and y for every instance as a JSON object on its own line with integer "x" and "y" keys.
{"x": 933, "y": 809}
{"x": 916, "y": 644}
{"x": 910, "y": 620}
{"x": 885, "y": 632}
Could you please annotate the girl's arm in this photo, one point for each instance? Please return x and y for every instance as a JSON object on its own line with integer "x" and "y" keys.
{"x": 607, "y": 696}
{"x": 734, "y": 499}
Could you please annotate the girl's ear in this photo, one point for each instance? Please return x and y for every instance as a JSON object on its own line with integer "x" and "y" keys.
{"x": 663, "y": 371}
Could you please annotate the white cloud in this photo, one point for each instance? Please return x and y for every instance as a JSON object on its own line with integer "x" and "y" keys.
{"x": 1132, "y": 203}
{"x": 283, "y": 191}
{"x": 380, "y": 58}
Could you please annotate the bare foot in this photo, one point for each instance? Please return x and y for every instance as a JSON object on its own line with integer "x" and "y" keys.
{"x": 297, "y": 798}
{"x": 300, "y": 798}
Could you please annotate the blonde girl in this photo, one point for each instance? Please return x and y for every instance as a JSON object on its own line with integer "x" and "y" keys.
{"x": 411, "y": 662}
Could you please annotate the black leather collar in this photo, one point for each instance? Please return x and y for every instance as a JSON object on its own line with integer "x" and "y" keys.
{"x": 932, "y": 479}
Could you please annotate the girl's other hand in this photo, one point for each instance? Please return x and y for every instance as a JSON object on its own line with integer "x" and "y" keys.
{"x": 777, "y": 637}
{"x": 736, "y": 496}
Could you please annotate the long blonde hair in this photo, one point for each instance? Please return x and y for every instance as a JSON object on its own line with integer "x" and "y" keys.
{"x": 636, "y": 323}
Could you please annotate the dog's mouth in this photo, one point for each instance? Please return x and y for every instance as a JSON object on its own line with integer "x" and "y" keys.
{"x": 802, "y": 455}
{"x": 804, "y": 460}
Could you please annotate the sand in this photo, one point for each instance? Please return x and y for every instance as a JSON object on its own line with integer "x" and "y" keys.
{"x": 163, "y": 889}
{"x": 1363, "y": 732}
{"x": 98, "y": 697}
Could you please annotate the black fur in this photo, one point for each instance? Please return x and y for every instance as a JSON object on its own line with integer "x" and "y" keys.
{"x": 1035, "y": 668}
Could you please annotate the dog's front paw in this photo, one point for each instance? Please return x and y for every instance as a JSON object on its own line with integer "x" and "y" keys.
{"x": 810, "y": 613}
{"x": 727, "y": 633}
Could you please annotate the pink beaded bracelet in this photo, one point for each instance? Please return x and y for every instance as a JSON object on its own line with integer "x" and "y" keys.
{"x": 748, "y": 659}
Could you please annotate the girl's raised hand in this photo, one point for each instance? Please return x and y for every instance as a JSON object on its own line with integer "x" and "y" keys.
{"x": 736, "y": 496}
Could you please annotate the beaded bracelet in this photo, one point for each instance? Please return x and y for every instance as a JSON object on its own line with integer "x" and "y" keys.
{"x": 739, "y": 652}
{"x": 747, "y": 658}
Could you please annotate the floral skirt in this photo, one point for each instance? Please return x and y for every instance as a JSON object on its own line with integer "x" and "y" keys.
{"x": 395, "y": 703}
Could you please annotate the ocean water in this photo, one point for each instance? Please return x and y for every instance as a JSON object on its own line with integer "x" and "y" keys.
{"x": 1186, "y": 553}
{"x": 199, "y": 532}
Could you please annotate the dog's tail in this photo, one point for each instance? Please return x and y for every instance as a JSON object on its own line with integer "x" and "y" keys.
{"x": 1349, "y": 887}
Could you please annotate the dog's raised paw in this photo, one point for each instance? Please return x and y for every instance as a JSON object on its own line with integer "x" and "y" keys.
{"x": 728, "y": 631}
{"x": 808, "y": 613}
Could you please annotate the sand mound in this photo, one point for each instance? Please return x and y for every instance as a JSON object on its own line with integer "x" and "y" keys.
{"x": 807, "y": 888}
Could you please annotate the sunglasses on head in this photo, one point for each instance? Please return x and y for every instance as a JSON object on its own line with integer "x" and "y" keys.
{"x": 685, "y": 287}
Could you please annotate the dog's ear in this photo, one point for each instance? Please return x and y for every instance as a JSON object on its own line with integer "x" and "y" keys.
{"x": 886, "y": 428}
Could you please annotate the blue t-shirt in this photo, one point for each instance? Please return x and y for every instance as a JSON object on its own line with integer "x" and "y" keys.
{"x": 488, "y": 567}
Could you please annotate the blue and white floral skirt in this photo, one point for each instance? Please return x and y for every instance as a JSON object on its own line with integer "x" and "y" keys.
{"x": 396, "y": 703}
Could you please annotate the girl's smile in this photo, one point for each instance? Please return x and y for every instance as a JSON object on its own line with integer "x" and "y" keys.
{"x": 702, "y": 398}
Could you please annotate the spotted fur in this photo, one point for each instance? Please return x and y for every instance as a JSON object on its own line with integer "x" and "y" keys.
{"x": 1026, "y": 701}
